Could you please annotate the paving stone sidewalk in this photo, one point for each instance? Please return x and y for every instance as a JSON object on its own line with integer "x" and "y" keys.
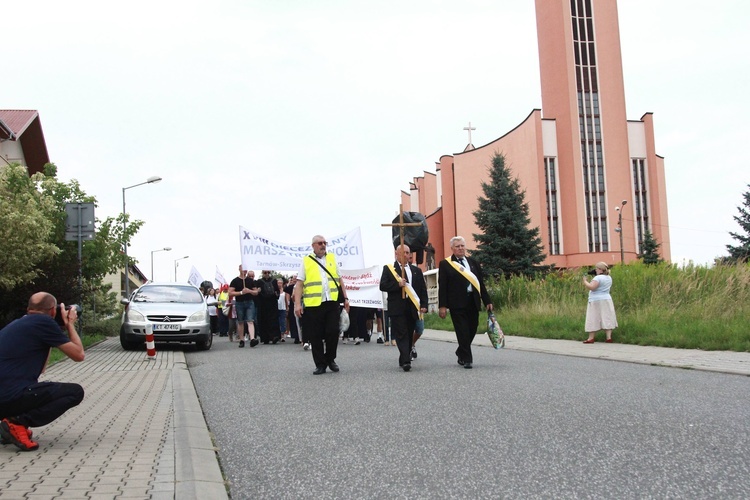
{"x": 139, "y": 433}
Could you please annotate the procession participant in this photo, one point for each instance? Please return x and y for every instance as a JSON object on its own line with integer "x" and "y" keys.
{"x": 407, "y": 299}
{"x": 460, "y": 289}
{"x": 316, "y": 303}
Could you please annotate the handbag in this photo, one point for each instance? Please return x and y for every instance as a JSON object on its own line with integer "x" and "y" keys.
{"x": 338, "y": 287}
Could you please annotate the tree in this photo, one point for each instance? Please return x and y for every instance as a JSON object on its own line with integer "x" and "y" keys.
{"x": 25, "y": 227}
{"x": 650, "y": 253}
{"x": 506, "y": 245}
{"x": 741, "y": 252}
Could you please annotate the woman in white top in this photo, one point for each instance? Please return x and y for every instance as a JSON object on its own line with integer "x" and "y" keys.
{"x": 600, "y": 313}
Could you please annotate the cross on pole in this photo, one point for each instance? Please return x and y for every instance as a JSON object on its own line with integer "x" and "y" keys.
{"x": 469, "y": 129}
{"x": 401, "y": 225}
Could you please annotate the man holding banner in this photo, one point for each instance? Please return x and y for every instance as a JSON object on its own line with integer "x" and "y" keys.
{"x": 460, "y": 289}
{"x": 316, "y": 303}
{"x": 407, "y": 301}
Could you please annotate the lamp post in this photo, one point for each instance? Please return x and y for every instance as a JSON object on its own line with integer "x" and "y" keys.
{"x": 175, "y": 266}
{"x": 619, "y": 229}
{"x": 165, "y": 249}
{"x": 150, "y": 180}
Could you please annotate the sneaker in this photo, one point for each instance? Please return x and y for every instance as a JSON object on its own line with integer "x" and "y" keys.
{"x": 380, "y": 340}
{"x": 254, "y": 342}
{"x": 306, "y": 346}
{"x": 242, "y": 343}
{"x": 357, "y": 341}
{"x": 18, "y": 435}
{"x": 413, "y": 353}
{"x": 8, "y": 441}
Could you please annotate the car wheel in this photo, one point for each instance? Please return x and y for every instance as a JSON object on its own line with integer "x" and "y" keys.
{"x": 129, "y": 345}
{"x": 205, "y": 345}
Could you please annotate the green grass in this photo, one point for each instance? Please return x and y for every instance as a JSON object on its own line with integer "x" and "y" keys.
{"x": 692, "y": 308}
{"x": 93, "y": 333}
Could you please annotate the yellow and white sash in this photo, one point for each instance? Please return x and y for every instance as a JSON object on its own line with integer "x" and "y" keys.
{"x": 409, "y": 289}
{"x": 466, "y": 273}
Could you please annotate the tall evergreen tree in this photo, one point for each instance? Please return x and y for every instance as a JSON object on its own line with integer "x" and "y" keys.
{"x": 741, "y": 252}
{"x": 506, "y": 245}
{"x": 650, "y": 253}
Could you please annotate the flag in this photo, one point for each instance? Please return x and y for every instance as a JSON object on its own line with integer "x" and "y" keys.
{"x": 220, "y": 277}
{"x": 195, "y": 277}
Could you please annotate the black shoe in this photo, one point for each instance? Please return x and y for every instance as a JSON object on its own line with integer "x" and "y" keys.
{"x": 467, "y": 365}
{"x": 275, "y": 340}
{"x": 319, "y": 370}
{"x": 460, "y": 361}
{"x": 406, "y": 367}
{"x": 380, "y": 340}
{"x": 333, "y": 366}
{"x": 297, "y": 341}
{"x": 242, "y": 343}
{"x": 254, "y": 342}
{"x": 413, "y": 353}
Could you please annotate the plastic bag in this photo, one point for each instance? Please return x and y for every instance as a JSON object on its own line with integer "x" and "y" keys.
{"x": 494, "y": 332}
{"x": 343, "y": 321}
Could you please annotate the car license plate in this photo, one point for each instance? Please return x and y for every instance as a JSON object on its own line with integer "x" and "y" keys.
{"x": 166, "y": 327}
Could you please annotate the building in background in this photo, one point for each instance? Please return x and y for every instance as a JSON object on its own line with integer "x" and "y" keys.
{"x": 577, "y": 158}
{"x": 22, "y": 139}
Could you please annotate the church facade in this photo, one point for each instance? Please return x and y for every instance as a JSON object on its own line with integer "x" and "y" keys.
{"x": 592, "y": 177}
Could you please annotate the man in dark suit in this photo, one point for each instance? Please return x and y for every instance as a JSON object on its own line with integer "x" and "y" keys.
{"x": 407, "y": 299}
{"x": 461, "y": 289}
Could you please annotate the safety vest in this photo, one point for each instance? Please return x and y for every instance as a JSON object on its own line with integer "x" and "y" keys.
{"x": 312, "y": 290}
{"x": 223, "y": 296}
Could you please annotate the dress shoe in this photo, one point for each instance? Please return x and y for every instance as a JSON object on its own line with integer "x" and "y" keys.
{"x": 460, "y": 361}
{"x": 467, "y": 365}
{"x": 319, "y": 370}
{"x": 333, "y": 366}
{"x": 588, "y": 341}
{"x": 608, "y": 341}
{"x": 406, "y": 367}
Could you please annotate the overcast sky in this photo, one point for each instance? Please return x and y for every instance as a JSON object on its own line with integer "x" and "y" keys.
{"x": 294, "y": 117}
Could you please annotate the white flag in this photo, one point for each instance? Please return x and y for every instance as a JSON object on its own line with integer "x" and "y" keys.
{"x": 195, "y": 277}
{"x": 220, "y": 277}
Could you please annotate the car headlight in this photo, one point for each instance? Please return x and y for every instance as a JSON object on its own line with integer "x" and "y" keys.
{"x": 134, "y": 316}
{"x": 196, "y": 317}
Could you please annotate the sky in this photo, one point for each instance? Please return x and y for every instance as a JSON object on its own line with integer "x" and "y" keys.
{"x": 298, "y": 118}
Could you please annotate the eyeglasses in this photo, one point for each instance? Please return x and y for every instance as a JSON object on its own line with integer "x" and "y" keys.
{"x": 320, "y": 243}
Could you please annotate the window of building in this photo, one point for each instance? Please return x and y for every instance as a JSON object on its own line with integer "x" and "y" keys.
{"x": 550, "y": 180}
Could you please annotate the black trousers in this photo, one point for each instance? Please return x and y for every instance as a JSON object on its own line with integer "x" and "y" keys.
{"x": 321, "y": 328}
{"x": 465, "y": 322}
{"x": 268, "y": 320}
{"x": 41, "y": 403}
{"x": 402, "y": 328}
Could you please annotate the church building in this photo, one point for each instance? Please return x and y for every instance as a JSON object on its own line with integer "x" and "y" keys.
{"x": 592, "y": 179}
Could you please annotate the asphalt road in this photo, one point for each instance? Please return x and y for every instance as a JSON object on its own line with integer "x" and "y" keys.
{"x": 519, "y": 425}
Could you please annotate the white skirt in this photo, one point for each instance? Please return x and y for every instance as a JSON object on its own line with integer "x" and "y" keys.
{"x": 600, "y": 315}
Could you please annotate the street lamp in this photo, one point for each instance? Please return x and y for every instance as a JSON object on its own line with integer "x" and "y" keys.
{"x": 165, "y": 249}
{"x": 150, "y": 180}
{"x": 619, "y": 229}
{"x": 175, "y": 266}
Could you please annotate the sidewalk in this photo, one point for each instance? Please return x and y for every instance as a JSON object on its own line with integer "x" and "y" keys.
{"x": 712, "y": 361}
{"x": 140, "y": 431}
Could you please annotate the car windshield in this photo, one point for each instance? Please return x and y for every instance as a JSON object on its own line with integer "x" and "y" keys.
{"x": 171, "y": 294}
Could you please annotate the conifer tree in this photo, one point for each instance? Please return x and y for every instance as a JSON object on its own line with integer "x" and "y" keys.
{"x": 650, "y": 253}
{"x": 741, "y": 252}
{"x": 506, "y": 245}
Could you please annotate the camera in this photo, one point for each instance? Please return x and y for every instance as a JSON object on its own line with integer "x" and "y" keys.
{"x": 58, "y": 315}
{"x": 592, "y": 272}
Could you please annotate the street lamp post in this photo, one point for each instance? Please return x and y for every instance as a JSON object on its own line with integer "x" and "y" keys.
{"x": 175, "y": 266}
{"x": 165, "y": 249}
{"x": 619, "y": 228}
{"x": 150, "y": 180}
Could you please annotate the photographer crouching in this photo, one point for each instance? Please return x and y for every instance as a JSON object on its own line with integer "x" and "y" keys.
{"x": 25, "y": 346}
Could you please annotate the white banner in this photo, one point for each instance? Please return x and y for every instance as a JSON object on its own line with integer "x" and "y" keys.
{"x": 260, "y": 253}
{"x": 220, "y": 277}
{"x": 363, "y": 287}
{"x": 195, "y": 277}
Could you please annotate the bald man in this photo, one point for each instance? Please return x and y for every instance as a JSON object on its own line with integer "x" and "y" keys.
{"x": 25, "y": 345}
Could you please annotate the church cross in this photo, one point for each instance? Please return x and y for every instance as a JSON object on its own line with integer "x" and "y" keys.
{"x": 469, "y": 129}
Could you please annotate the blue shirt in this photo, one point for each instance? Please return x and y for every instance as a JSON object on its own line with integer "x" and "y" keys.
{"x": 24, "y": 349}
{"x": 602, "y": 291}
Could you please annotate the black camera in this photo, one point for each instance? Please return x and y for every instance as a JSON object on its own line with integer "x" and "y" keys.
{"x": 58, "y": 314}
{"x": 592, "y": 272}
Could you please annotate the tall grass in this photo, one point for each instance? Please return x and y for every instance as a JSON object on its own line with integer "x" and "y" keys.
{"x": 694, "y": 307}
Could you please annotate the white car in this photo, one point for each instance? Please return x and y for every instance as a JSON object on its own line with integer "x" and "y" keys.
{"x": 178, "y": 313}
